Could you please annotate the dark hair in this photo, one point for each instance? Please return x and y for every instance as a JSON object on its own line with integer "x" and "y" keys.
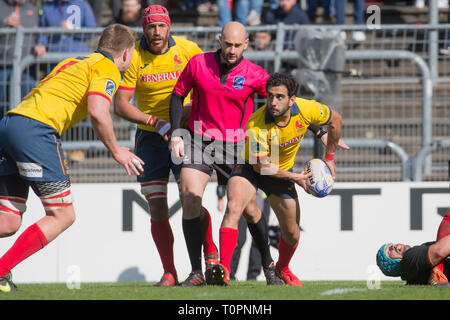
{"x": 281, "y": 79}
{"x": 115, "y": 38}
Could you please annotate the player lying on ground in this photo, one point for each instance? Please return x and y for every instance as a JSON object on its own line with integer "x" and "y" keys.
{"x": 428, "y": 263}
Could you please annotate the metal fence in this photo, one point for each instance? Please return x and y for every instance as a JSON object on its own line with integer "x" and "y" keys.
{"x": 394, "y": 97}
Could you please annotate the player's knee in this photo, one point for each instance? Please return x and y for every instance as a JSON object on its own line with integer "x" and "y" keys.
{"x": 158, "y": 209}
{"x": 9, "y": 224}
{"x": 192, "y": 204}
{"x": 11, "y": 210}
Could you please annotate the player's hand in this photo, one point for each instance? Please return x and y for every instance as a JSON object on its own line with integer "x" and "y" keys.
{"x": 300, "y": 179}
{"x": 176, "y": 146}
{"x": 332, "y": 166}
{"x": 129, "y": 160}
{"x": 184, "y": 123}
{"x": 163, "y": 128}
{"x": 341, "y": 142}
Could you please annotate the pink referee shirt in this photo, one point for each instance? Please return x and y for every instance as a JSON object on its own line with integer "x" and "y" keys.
{"x": 221, "y": 102}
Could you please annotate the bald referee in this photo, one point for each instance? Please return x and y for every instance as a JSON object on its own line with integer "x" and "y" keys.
{"x": 31, "y": 154}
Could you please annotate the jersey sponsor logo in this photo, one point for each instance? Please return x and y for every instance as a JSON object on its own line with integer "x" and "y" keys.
{"x": 238, "y": 82}
{"x": 293, "y": 140}
{"x": 158, "y": 77}
{"x": 30, "y": 169}
{"x": 109, "y": 88}
{"x": 177, "y": 60}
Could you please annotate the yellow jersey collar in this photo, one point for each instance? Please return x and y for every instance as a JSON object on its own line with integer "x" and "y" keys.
{"x": 294, "y": 111}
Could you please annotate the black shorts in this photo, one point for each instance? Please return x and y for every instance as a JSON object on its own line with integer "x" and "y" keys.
{"x": 208, "y": 155}
{"x": 282, "y": 188}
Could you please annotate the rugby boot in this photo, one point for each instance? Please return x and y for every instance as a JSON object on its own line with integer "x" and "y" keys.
{"x": 271, "y": 275}
{"x": 167, "y": 280}
{"x": 289, "y": 278}
{"x": 6, "y": 284}
{"x": 194, "y": 279}
{"x": 221, "y": 275}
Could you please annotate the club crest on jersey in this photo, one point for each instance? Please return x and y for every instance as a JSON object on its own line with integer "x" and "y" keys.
{"x": 109, "y": 88}
{"x": 238, "y": 82}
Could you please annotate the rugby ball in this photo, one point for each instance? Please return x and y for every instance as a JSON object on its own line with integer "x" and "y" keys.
{"x": 321, "y": 182}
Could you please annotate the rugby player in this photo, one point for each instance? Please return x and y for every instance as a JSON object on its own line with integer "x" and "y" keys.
{"x": 274, "y": 134}
{"x": 30, "y": 142}
{"x": 158, "y": 60}
{"x": 428, "y": 263}
{"x": 224, "y": 84}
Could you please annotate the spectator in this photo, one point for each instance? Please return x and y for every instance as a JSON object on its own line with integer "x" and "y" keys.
{"x": 97, "y": 8}
{"x": 13, "y": 14}
{"x": 241, "y": 11}
{"x": 116, "y": 5}
{"x": 67, "y": 14}
{"x": 340, "y": 14}
{"x": 254, "y": 16}
{"x": 129, "y": 14}
{"x": 288, "y": 12}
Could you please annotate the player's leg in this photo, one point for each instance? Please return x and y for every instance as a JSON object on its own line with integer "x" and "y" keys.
{"x": 153, "y": 150}
{"x": 240, "y": 192}
{"x": 13, "y": 197}
{"x": 287, "y": 211}
{"x": 193, "y": 184}
{"x": 56, "y": 197}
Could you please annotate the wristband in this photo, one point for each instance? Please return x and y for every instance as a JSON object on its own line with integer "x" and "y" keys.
{"x": 153, "y": 121}
{"x": 329, "y": 156}
{"x": 164, "y": 129}
{"x": 322, "y": 132}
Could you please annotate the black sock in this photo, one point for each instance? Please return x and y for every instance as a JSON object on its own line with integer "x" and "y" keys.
{"x": 192, "y": 230}
{"x": 259, "y": 232}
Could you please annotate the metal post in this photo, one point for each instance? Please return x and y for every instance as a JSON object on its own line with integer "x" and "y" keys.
{"x": 433, "y": 16}
{"x": 279, "y": 46}
{"x": 15, "y": 80}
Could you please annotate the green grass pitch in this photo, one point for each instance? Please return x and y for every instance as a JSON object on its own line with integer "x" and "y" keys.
{"x": 238, "y": 290}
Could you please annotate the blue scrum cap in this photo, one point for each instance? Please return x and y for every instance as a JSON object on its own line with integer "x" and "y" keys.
{"x": 390, "y": 267}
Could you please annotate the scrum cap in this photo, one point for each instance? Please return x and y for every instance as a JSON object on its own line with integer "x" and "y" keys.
{"x": 155, "y": 14}
{"x": 390, "y": 267}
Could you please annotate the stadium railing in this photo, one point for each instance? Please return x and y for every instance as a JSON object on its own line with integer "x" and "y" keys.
{"x": 394, "y": 111}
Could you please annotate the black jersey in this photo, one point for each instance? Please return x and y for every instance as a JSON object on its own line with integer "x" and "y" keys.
{"x": 415, "y": 267}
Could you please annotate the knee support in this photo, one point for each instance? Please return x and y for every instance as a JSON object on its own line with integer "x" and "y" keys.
{"x": 14, "y": 205}
{"x": 53, "y": 195}
{"x": 154, "y": 189}
{"x": 13, "y": 194}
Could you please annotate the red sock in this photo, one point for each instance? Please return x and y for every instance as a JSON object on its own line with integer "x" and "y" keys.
{"x": 285, "y": 253}
{"x": 228, "y": 239}
{"x": 443, "y": 230}
{"x": 30, "y": 241}
{"x": 208, "y": 242}
{"x": 163, "y": 238}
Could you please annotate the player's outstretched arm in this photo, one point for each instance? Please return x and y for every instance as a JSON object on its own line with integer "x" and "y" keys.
{"x": 322, "y": 133}
{"x": 124, "y": 109}
{"x": 334, "y": 134}
{"x": 439, "y": 250}
{"x": 98, "y": 108}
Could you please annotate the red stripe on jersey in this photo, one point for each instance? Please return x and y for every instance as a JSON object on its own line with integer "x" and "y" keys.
{"x": 127, "y": 88}
{"x": 153, "y": 184}
{"x": 8, "y": 210}
{"x": 13, "y": 199}
{"x": 100, "y": 94}
{"x": 63, "y": 194}
{"x": 56, "y": 204}
{"x": 155, "y": 194}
